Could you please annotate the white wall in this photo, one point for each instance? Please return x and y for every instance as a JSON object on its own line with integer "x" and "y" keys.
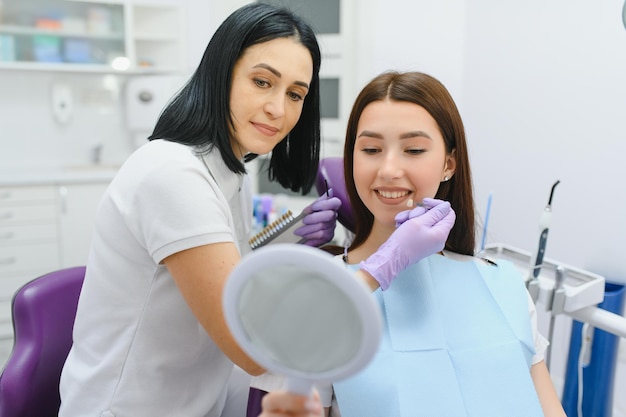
{"x": 411, "y": 35}
{"x": 545, "y": 99}
{"x": 29, "y": 134}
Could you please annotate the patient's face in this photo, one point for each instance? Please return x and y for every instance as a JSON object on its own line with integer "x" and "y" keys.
{"x": 399, "y": 154}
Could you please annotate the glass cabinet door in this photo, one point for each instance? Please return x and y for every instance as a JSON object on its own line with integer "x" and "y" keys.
{"x": 53, "y": 32}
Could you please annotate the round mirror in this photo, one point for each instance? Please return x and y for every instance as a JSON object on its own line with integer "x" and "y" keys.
{"x": 300, "y": 312}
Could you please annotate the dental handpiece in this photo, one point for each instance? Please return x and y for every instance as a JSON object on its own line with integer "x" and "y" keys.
{"x": 544, "y": 227}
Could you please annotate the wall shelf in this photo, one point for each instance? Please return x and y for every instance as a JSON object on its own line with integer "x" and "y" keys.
{"x": 91, "y": 36}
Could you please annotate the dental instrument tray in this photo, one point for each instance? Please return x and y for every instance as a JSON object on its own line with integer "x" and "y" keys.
{"x": 582, "y": 288}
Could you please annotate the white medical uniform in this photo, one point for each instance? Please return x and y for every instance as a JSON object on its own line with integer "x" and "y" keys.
{"x": 138, "y": 349}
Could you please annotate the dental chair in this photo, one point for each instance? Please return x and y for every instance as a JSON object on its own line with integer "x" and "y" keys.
{"x": 330, "y": 173}
{"x": 43, "y": 319}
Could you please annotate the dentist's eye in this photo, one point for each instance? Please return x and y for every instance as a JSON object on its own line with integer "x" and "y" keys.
{"x": 295, "y": 96}
{"x": 261, "y": 83}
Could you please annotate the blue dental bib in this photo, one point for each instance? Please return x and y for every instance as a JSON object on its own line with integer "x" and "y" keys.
{"x": 457, "y": 342}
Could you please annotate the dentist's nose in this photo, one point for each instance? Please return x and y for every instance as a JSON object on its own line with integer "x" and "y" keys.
{"x": 275, "y": 105}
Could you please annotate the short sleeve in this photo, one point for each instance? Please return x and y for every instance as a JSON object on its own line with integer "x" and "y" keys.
{"x": 176, "y": 207}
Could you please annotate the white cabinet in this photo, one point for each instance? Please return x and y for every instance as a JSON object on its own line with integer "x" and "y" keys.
{"x": 28, "y": 234}
{"x": 77, "y": 211}
{"x": 28, "y": 245}
{"x": 43, "y": 228}
{"x": 90, "y": 35}
{"x": 156, "y": 40}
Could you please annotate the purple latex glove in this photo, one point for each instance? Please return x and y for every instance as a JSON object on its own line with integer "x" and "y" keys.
{"x": 421, "y": 232}
{"x": 420, "y": 209}
{"x": 320, "y": 220}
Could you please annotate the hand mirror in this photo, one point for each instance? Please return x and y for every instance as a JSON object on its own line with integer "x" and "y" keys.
{"x": 300, "y": 312}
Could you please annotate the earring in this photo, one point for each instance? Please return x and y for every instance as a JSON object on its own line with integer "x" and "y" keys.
{"x": 445, "y": 178}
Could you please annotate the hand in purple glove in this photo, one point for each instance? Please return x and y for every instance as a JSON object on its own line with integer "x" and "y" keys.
{"x": 420, "y": 209}
{"x": 320, "y": 220}
{"x": 421, "y": 232}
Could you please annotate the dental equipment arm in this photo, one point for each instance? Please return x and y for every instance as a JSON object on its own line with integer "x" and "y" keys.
{"x": 577, "y": 295}
{"x": 556, "y": 306}
{"x": 601, "y": 319}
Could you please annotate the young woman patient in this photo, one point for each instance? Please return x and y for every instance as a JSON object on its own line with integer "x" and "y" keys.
{"x": 460, "y": 332}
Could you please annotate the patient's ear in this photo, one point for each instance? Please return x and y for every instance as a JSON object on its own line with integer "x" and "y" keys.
{"x": 450, "y": 164}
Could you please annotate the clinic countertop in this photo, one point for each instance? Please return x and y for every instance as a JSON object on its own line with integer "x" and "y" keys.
{"x": 75, "y": 174}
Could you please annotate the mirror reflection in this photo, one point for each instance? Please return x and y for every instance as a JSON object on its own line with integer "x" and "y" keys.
{"x": 300, "y": 319}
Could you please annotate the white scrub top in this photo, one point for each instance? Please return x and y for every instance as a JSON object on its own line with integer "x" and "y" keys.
{"x": 138, "y": 349}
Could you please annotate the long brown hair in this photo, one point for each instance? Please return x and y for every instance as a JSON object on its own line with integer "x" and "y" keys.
{"x": 429, "y": 93}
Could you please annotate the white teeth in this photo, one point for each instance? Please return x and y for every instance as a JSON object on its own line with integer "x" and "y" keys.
{"x": 393, "y": 194}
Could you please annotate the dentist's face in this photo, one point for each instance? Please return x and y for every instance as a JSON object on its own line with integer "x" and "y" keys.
{"x": 270, "y": 82}
{"x": 399, "y": 154}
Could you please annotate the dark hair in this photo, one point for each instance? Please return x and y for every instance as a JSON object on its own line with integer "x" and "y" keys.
{"x": 429, "y": 93}
{"x": 199, "y": 114}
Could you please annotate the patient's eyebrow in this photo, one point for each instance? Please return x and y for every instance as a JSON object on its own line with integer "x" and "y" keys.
{"x": 407, "y": 135}
{"x": 370, "y": 134}
{"x": 415, "y": 134}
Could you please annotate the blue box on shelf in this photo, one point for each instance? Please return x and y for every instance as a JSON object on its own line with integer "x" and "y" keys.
{"x": 7, "y": 48}
{"x": 47, "y": 48}
{"x": 77, "y": 51}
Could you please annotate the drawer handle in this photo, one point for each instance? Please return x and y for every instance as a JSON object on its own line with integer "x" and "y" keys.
{"x": 6, "y": 216}
{"x": 7, "y": 235}
{"x": 8, "y": 261}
